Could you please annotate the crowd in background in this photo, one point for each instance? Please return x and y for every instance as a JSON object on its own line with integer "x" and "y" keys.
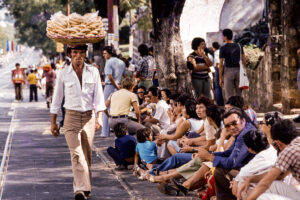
{"x": 205, "y": 141}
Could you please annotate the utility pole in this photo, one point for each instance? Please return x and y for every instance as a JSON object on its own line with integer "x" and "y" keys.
{"x": 113, "y": 23}
{"x": 68, "y": 8}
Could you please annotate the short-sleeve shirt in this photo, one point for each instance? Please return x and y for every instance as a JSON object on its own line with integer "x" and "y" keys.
{"x": 116, "y": 68}
{"x": 289, "y": 159}
{"x": 209, "y": 130}
{"x": 161, "y": 114}
{"x": 121, "y": 102}
{"x": 50, "y": 76}
{"x": 126, "y": 146}
{"x": 32, "y": 79}
{"x": 231, "y": 53}
{"x": 199, "y": 61}
{"x": 147, "y": 151}
{"x": 216, "y": 57}
{"x": 146, "y": 66}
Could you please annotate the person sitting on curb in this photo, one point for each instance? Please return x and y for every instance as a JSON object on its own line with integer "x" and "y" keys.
{"x": 286, "y": 138}
{"x": 124, "y": 151}
{"x": 234, "y": 158}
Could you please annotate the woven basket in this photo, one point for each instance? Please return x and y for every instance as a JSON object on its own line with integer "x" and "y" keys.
{"x": 76, "y": 41}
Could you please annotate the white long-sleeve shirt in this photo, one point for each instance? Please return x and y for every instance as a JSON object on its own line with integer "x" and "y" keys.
{"x": 89, "y": 97}
{"x": 262, "y": 162}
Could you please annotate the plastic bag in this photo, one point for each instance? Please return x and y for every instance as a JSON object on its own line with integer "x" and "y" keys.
{"x": 244, "y": 81}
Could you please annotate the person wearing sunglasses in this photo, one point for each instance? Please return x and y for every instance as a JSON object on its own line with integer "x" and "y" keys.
{"x": 232, "y": 159}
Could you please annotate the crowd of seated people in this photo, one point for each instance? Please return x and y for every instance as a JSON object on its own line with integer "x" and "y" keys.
{"x": 184, "y": 144}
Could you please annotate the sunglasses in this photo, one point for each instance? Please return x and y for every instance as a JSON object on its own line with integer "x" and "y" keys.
{"x": 234, "y": 123}
{"x": 261, "y": 123}
{"x": 141, "y": 92}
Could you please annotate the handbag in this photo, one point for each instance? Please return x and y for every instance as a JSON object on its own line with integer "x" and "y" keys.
{"x": 244, "y": 81}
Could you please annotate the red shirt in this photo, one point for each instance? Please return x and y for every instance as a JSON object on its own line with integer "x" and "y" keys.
{"x": 18, "y": 76}
{"x": 50, "y": 76}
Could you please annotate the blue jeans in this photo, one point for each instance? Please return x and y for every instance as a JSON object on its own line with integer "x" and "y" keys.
{"x": 108, "y": 89}
{"x": 219, "y": 96}
{"x": 218, "y": 89}
{"x": 173, "y": 162}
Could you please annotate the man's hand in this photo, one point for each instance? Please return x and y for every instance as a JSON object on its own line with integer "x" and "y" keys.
{"x": 221, "y": 82}
{"x": 234, "y": 187}
{"x": 207, "y": 175}
{"x": 162, "y": 137}
{"x": 186, "y": 149}
{"x": 98, "y": 124}
{"x": 54, "y": 130}
{"x": 204, "y": 155}
{"x": 243, "y": 188}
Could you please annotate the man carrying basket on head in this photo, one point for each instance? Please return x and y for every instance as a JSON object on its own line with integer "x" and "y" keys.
{"x": 80, "y": 84}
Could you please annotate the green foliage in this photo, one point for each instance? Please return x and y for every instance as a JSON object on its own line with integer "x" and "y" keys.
{"x": 143, "y": 9}
{"x": 31, "y": 17}
{"x": 253, "y": 55}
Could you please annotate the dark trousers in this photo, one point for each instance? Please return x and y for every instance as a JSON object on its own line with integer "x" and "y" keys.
{"x": 18, "y": 91}
{"x": 49, "y": 89}
{"x": 115, "y": 154}
{"x": 222, "y": 184}
{"x": 63, "y": 111}
{"x": 33, "y": 92}
{"x": 219, "y": 96}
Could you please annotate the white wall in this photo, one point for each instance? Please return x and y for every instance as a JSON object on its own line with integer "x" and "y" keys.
{"x": 199, "y": 17}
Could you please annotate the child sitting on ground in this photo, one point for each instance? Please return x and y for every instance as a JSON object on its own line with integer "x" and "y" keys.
{"x": 124, "y": 151}
{"x": 145, "y": 149}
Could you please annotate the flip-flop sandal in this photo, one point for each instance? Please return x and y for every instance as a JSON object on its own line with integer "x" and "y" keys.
{"x": 167, "y": 189}
{"x": 179, "y": 187}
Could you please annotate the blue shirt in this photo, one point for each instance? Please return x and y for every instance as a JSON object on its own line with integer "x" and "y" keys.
{"x": 237, "y": 155}
{"x": 147, "y": 151}
{"x": 126, "y": 146}
{"x": 116, "y": 68}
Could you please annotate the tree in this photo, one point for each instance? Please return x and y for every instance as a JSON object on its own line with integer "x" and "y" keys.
{"x": 167, "y": 45}
{"x": 31, "y": 17}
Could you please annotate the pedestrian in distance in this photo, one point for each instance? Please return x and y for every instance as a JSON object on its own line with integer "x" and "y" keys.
{"x": 146, "y": 67}
{"x": 32, "y": 78}
{"x": 217, "y": 87}
{"x": 114, "y": 70}
{"x": 18, "y": 79}
{"x": 50, "y": 78}
{"x": 199, "y": 63}
{"x": 80, "y": 84}
{"x": 229, "y": 67}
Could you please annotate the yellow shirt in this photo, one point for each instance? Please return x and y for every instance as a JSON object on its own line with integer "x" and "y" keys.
{"x": 32, "y": 79}
{"x": 121, "y": 101}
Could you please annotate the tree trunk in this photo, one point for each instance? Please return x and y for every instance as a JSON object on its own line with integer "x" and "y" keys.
{"x": 168, "y": 50}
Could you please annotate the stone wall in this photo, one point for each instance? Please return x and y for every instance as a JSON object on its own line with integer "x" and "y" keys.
{"x": 260, "y": 93}
{"x": 274, "y": 80}
{"x": 290, "y": 20}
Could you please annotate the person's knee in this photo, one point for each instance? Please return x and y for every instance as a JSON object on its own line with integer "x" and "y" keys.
{"x": 218, "y": 173}
{"x": 110, "y": 150}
